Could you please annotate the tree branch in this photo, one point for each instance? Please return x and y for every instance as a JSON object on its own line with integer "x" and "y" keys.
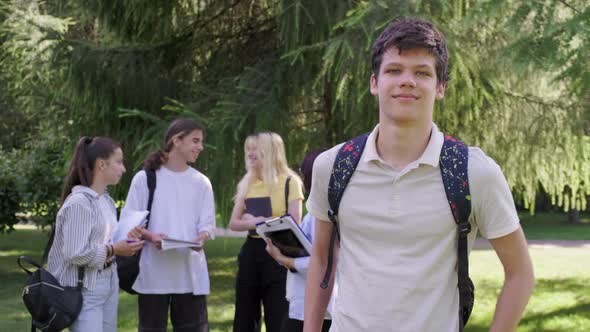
{"x": 570, "y": 6}
{"x": 535, "y": 101}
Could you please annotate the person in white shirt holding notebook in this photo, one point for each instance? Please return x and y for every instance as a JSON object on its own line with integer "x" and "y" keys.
{"x": 183, "y": 208}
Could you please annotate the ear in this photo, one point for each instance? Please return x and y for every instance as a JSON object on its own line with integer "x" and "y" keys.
{"x": 101, "y": 163}
{"x": 176, "y": 141}
{"x": 373, "y": 85}
{"x": 440, "y": 91}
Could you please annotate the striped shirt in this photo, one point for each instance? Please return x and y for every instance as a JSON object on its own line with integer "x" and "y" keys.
{"x": 84, "y": 225}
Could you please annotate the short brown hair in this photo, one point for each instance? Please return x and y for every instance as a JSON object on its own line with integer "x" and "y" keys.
{"x": 413, "y": 33}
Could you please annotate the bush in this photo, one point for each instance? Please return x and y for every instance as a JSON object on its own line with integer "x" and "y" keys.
{"x": 10, "y": 195}
{"x": 43, "y": 165}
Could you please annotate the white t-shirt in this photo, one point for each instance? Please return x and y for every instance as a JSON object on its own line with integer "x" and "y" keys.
{"x": 398, "y": 250}
{"x": 296, "y": 281}
{"x": 183, "y": 207}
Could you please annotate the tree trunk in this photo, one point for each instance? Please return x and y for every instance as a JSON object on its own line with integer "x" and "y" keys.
{"x": 573, "y": 216}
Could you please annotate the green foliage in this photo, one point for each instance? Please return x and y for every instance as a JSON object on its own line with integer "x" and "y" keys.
{"x": 519, "y": 79}
{"x": 10, "y": 195}
{"x": 42, "y": 169}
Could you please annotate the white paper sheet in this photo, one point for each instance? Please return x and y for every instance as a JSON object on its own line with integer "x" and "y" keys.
{"x": 128, "y": 220}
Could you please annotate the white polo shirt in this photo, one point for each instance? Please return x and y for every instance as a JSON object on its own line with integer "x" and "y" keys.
{"x": 398, "y": 254}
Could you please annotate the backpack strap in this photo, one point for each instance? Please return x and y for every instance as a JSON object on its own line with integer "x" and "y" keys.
{"x": 151, "y": 184}
{"x": 345, "y": 163}
{"x": 453, "y": 168}
{"x": 287, "y": 194}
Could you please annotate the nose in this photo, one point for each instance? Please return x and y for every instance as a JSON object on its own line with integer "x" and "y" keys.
{"x": 407, "y": 80}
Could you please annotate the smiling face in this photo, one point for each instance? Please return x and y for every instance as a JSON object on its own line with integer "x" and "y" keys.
{"x": 406, "y": 86}
{"x": 252, "y": 160}
{"x": 189, "y": 146}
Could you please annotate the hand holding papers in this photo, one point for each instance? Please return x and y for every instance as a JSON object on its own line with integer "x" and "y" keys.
{"x": 286, "y": 235}
{"x": 128, "y": 220}
{"x": 169, "y": 243}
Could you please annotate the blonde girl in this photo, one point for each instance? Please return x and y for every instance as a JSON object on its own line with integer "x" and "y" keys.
{"x": 268, "y": 189}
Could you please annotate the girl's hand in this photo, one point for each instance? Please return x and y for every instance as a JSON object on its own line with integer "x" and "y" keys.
{"x": 274, "y": 252}
{"x": 127, "y": 247}
{"x": 251, "y": 220}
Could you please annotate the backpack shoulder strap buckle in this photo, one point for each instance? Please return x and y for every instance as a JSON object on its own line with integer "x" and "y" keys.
{"x": 332, "y": 216}
{"x": 464, "y": 228}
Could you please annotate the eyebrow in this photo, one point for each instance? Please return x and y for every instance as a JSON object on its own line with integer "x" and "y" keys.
{"x": 391, "y": 64}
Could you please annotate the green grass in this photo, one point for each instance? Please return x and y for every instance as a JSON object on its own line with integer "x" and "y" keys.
{"x": 561, "y": 301}
{"x": 553, "y": 226}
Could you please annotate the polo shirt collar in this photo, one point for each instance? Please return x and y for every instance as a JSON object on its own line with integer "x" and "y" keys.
{"x": 430, "y": 156}
{"x": 87, "y": 190}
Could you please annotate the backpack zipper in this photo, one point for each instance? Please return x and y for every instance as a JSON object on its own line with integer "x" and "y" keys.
{"x": 26, "y": 289}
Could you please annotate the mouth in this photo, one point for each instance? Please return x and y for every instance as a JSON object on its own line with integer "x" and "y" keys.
{"x": 405, "y": 96}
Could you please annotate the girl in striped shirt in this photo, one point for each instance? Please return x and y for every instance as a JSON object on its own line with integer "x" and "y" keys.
{"x": 84, "y": 228}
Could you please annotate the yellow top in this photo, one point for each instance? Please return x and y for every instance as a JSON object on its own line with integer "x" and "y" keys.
{"x": 259, "y": 189}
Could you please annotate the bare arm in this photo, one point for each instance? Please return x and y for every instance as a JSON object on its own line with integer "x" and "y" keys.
{"x": 316, "y": 298}
{"x": 519, "y": 280}
{"x": 241, "y": 221}
{"x": 295, "y": 210}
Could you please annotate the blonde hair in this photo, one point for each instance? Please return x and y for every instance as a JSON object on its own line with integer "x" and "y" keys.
{"x": 270, "y": 151}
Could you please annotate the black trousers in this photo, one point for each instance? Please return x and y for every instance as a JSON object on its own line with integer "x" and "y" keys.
{"x": 260, "y": 280}
{"x": 295, "y": 325}
{"x": 188, "y": 312}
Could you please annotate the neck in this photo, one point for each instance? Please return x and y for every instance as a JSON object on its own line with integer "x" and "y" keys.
{"x": 175, "y": 162}
{"x": 399, "y": 145}
{"x": 98, "y": 185}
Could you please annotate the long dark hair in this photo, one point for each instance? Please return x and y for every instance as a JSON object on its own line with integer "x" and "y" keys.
{"x": 86, "y": 152}
{"x": 178, "y": 128}
{"x": 306, "y": 168}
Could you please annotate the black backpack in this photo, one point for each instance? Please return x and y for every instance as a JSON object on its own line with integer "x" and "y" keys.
{"x": 453, "y": 166}
{"x": 52, "y": 306}
{"x": 128, "y": 266}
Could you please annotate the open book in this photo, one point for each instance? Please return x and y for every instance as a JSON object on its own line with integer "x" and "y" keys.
{"x": 170, "y": 243}
{"x": 286, "y": 235}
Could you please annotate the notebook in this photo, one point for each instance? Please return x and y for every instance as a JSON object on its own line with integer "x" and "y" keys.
{"x": 286, "y": 235}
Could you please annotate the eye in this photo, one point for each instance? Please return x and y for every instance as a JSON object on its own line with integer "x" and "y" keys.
{"x": 392, "y": 71}
{"x": 422, "y": 73}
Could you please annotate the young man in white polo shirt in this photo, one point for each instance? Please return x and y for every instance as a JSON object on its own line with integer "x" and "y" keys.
{"x": 397, "y": 256}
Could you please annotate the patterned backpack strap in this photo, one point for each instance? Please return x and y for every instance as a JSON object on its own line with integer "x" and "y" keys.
{"x": 345, "y": 163}
{"x": 453, "y": 168}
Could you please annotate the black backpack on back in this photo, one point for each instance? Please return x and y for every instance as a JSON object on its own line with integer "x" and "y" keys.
{"x": 453, "y": 167}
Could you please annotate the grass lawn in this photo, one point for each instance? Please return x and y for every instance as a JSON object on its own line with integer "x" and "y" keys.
{"x": 561, "y": 301}
{"x": 551, "y": 225}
